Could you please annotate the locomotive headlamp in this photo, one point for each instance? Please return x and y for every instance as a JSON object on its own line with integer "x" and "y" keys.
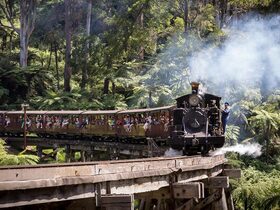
{"x": 194, "y": 100}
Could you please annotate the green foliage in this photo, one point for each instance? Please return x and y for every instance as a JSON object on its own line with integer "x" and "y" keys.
{"x": 256, "y": 189}
{"x": 232, "y": 134}
{"x": 264, "y": 124}
{"x": 251, "y": 4}
{"x": 20, "y": 159}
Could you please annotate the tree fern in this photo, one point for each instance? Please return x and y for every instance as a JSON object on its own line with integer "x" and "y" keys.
{"x": 20, "y": 159}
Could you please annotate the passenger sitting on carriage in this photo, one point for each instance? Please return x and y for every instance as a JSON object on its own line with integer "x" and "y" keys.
{"x": 77, "y": 122}
{"x": 84, "y": 123}
{"x": 136, "y": 120}
{"x": 166, "y": 124}
{"x": 49, "y": 122}
{"x": 126, "y": 124}
{"x": 39, "y": 121}
{"x": 155, "y": 121}
{"x": 65, "y": 122}
{"x": 56, "y": 123}
{"x": 162, "y": 119}
{"x": 28, "y": 122}
{"x": 148, "y": 122}
{"x": 7, "y": 121}
{"x": 132, "y": 122}
{"x": 111, "y": 122}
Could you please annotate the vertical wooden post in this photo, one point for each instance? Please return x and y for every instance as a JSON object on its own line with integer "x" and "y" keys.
{"x": 24, "y": 106}
{"x": 68, "y": 154}
{"x": 221, "y": 203}
{"x": 142, "y": 204}
{"x": 83, "y": 156}
{"x": 39, "y": 151}
{"x": 148, "y": 203}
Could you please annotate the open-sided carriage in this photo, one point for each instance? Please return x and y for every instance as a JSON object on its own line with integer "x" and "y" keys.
{"x": 111, "y": 125}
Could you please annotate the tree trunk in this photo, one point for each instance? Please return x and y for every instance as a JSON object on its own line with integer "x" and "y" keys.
{"x": 106, "y": 86}
{"x": 85, "y": 69}
{"x": 68, "y": 36}
{"x": 4, "y": 41}
{"x": 11, "y": 41}
{"x": 50, "y": 58}
{"x": 186, "y": 14}
{"x": 27, "y": 22}
{"x": 56, "y": 65}
{"x": 150, "y": 99}
{"x": 246, "y": 204}
{"x": 142, "y": 49}
{"x": 23, "y": 50}
{"x": 113, "y": 88}
{"x": 223, "y": 10}
{"x": 217, "y": 7}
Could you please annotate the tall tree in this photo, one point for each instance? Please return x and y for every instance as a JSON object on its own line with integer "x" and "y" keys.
{"x": 68, "y": 37}
{"x": 85, "y": 69}
{"x": 27, "y": 22}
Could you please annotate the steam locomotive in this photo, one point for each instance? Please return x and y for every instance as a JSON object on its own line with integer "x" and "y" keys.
{"x": 193, "y": 125}
{"x": 197, "y": 123}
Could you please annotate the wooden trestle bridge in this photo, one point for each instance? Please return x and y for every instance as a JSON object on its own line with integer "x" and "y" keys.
{"x": 89, "y": 148}
{"x": 162, "y": 183}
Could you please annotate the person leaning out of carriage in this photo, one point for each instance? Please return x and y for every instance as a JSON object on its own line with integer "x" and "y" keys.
{"x": 225, "y": 116}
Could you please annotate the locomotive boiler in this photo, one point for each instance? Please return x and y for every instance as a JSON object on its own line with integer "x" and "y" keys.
{"x": 197, "y": 123}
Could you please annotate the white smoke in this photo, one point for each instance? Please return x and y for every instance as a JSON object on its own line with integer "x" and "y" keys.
{"x": 253, "y": 149}
{"x": 172, "y": 153}
{"x": 249, "y": 56}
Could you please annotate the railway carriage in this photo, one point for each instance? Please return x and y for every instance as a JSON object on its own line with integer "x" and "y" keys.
{"x": 62, "y": 124}
{"x": 15, "y": 123}
{"x": 98, "y": 124}
{"x": 143, "y": 123}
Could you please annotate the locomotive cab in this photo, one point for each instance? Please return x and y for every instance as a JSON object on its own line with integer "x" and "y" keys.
{"x": 197, "y": 122}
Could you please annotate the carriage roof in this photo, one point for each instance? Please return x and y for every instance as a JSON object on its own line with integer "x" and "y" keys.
{"x": 65, "y": 112}
{"x": 89, "y": 112}
{"x": 98, "y": 112}
{"x": 131, "y": 111}
{"x": 29, "y": 112}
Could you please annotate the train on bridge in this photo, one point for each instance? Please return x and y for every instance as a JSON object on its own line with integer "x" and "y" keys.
{"x": 192, "y": 125}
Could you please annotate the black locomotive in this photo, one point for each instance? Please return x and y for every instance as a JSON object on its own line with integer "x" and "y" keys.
{"x": 197, "y": 122}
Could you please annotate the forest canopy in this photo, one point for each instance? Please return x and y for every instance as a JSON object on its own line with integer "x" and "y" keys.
{"x": 88, "y": 54}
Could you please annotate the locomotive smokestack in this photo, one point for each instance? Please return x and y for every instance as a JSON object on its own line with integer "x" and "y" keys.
{"x": 195, "y": 86}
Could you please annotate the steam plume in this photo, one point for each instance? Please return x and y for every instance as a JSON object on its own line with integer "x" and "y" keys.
{"x": 172, "y": 153}
{"x": 249, "y": 57}
{"x": 243, "y": 149}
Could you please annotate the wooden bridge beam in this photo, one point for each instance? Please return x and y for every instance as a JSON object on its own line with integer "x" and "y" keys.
{"x": 217, "y": 182}
{"x": 117, "y": 202}
{"x": 232, "y": 173}
{"x": 188, "y": 190}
